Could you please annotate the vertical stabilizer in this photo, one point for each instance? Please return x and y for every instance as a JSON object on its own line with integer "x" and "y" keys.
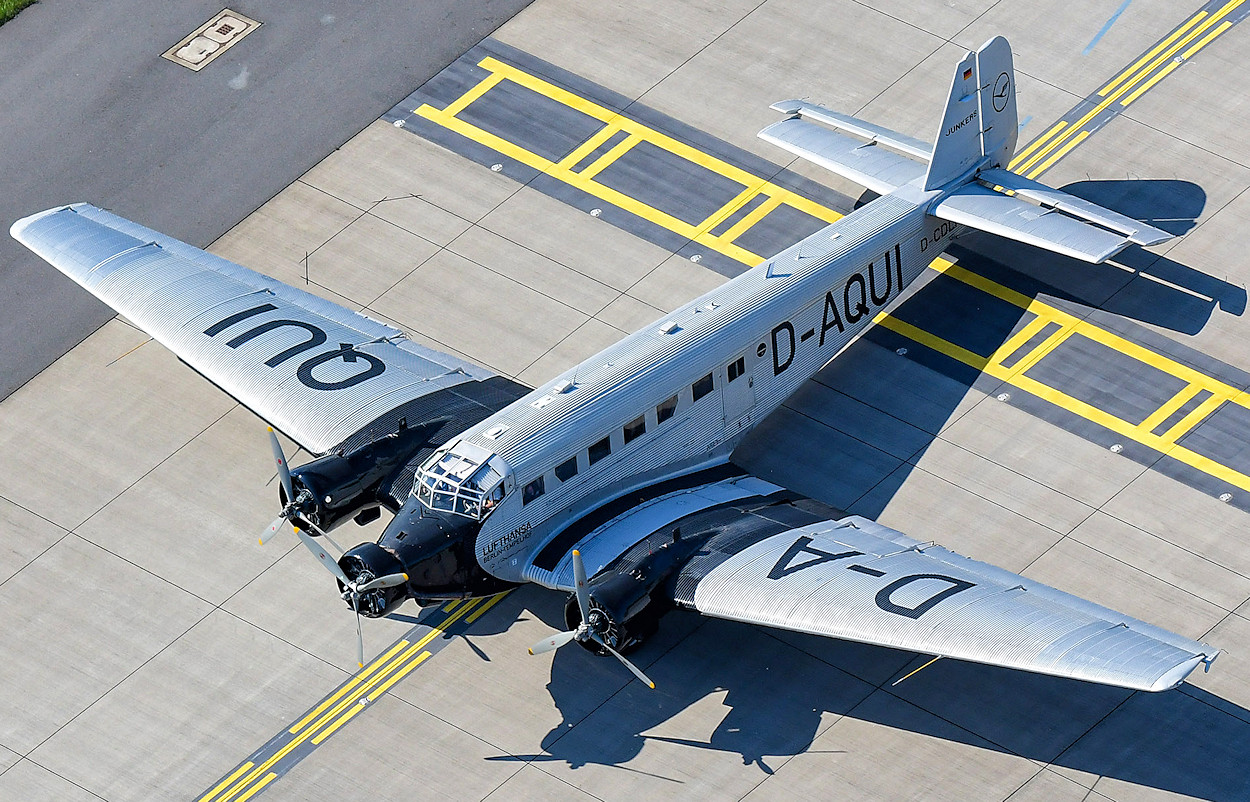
{"x": 999, "y": 126}
{"x": 980, "y": 118}
{"x": 957, "y": 147}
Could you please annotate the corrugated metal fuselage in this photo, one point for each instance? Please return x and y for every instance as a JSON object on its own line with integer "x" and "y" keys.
{"x": 759, "y": 337}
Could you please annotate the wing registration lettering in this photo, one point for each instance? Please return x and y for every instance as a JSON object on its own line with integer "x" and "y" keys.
{"x": 907, "y": 594}
{"x": 884, "y": 597}
{"x": 804, "y": 546}
{"x": 315, "y": 370}
{"x": 912, "y": 605}
{"x": 316, "y": 338}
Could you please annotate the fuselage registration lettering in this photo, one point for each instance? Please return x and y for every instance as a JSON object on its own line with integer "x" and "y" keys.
{"x": 372, "y": 366}
{"x": 812, "y": 557}
{"x": 864, "y": 292}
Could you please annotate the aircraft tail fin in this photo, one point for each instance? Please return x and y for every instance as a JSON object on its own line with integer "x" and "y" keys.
{"x": 979, "y": 124}
{"x": 967, "y": 163}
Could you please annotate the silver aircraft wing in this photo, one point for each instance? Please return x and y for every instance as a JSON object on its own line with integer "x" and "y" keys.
{"x": 316, "y": 371}
{"x": 859, "y": 580}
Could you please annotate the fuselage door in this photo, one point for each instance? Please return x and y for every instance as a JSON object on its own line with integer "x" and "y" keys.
{"x": 739, "y": 391}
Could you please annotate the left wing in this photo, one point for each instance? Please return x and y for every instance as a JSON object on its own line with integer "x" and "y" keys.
{"x": 747, "y": 550}
{"x": 858, "y": 580}
{"x": 318, "y": 372}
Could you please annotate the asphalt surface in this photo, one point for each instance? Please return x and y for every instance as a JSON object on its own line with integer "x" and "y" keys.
{"x": 136, "y": 600}
{"x": 93, "y": 113}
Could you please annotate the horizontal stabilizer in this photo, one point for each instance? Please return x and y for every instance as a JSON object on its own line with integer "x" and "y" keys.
{"x": 866, "y": 164}
{"x": 1135, "y": 230}
{"x": 982, "y": 208}
{"x": 856, "y": 127}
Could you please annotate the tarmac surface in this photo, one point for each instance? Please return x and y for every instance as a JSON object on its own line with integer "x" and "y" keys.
{"x": 92, "y": 112}
{"x": 152, "y": 650}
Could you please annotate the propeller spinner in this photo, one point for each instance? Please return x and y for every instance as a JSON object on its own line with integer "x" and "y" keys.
{"x": 587, "y": 630}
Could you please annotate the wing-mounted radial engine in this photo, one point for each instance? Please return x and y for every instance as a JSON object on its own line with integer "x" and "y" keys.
{"x": 620, "y": 608}
{"x": 343, "y": 484}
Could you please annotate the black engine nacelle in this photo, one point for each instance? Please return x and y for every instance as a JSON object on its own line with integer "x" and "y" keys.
{"x": 370, "y": 561}
{"x": 342, "y": 484}
{"x": 627, "y": 601}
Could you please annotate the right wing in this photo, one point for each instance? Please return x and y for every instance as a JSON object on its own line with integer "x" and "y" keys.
{"x": 316, "y": 371}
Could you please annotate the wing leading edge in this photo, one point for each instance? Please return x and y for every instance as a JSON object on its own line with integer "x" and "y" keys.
{"x": 858, "y": 580}
{"x": 315, "y": 370}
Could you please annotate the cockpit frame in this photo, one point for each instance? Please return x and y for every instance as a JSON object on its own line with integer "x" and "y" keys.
{"x": 463, "y": 479}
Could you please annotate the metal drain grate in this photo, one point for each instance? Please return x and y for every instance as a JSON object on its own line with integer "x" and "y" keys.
{"x": 211, "y": 39}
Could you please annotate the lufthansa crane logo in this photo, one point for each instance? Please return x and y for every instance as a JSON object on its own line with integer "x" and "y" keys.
{"x": 1002, "y": 90}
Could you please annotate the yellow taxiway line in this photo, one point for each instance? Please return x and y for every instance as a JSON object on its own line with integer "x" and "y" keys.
{"x": 365, "y": 687}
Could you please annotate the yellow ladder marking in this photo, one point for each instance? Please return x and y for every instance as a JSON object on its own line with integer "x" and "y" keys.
{"x": 636, "y": 133}
{"x": 1177, "y": 401}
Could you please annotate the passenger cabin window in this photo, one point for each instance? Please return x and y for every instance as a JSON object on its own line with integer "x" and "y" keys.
{"x": 532, "y": 491}
{"x": 635, "y": 429}
{"x": 567, "y": 470}
{"x": 737, "y": 368}
{"x": 600, "y": 450}
{"x": 702, "y": 387}
{"x": 666, "y": 410}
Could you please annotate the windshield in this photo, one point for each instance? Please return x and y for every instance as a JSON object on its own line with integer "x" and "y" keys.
{"x": 464, "y": 480}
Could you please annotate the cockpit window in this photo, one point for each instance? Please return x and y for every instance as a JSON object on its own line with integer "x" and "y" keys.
{"x": 465, "y": 480}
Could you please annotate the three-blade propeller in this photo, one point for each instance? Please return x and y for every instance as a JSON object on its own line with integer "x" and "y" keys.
{"x": 585, "y": 630}
{"x": 353, "y": 589}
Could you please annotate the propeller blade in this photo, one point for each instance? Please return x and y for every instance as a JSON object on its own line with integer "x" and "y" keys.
{"x": 579, "y": 577}
{"x": 326, "y": 536}
{"x": 388, "y": 581}
{"x": 322, "y": 557}
{"x": 633, "y": 668}
{"x": 553, "y": 642}
{"x": 360, "y": 638}
{"x": 272, "y": 529}
{"x": 284, "y": 472}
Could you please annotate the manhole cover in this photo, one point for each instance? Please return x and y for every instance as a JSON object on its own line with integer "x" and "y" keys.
{"x": 211, "y": 39}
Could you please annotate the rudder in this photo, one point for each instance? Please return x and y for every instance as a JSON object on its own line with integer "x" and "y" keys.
{"x": 980, "y": 117}
{"x": 999, "y": 126}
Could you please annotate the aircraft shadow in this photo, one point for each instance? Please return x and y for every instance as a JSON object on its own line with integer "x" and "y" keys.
{"x": 783, "y": 695}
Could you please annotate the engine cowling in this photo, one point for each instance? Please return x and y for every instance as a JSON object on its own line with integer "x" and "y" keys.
{"x": 340, "y": 485}
{"x": 435, "y": 550}
{"x": 627, "y": 600}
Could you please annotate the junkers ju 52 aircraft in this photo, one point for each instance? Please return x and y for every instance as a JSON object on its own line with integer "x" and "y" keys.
{"x": 615, "y": 480}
